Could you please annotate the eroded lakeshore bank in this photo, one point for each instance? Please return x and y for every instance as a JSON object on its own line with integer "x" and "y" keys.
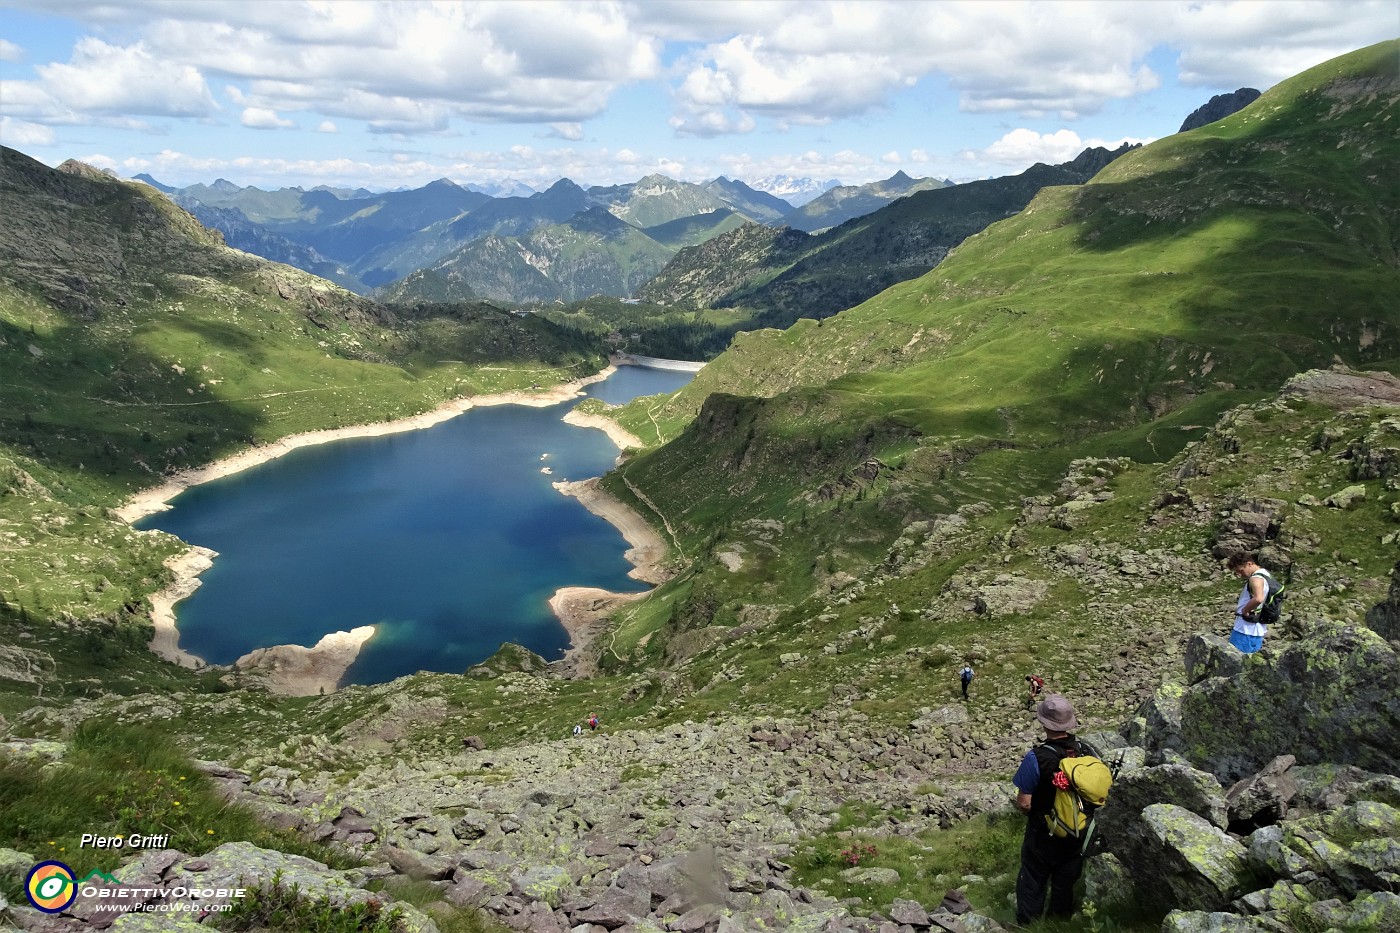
{"x": 584, "y": 610}
{"x": 157, "y": 498}
{"x": 321, "y": 667}
{"x": 620, "y": 436}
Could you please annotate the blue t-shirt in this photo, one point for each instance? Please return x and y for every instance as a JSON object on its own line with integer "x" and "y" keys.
{"x": 1027, "y": 777}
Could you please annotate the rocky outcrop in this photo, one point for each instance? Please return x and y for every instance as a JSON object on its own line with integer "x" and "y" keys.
{"x": 1289, "y": 846}
{"x": 1219, "y": 107}
{"x": 1329, "y": 697}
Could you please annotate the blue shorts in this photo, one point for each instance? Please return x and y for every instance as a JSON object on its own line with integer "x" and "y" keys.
{"x": 1246, "y": 643}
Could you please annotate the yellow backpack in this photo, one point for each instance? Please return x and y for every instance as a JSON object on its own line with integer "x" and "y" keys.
{"x": 1081, "y": 787}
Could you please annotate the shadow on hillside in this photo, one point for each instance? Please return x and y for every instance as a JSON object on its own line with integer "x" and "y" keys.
{"x": 108, "y": 410}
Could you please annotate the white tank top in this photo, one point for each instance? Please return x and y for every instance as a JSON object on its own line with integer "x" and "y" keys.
{"x": 1243, "y": 625}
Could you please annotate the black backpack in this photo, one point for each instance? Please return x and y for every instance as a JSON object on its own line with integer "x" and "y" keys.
{"x": 1271, "y": 609}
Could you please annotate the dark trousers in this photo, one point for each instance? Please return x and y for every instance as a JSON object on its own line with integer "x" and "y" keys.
{"x": 1046, "y": 860}
{"x": 965, "y": 684}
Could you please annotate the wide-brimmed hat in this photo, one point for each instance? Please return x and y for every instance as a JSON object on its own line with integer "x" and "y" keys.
{"x": 1056, "y": 714}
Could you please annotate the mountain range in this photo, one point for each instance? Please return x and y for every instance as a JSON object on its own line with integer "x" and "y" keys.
{"x": 363, "y": 240}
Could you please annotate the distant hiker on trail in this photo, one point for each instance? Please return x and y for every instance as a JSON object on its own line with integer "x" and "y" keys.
{"x": 593, "y": 721}
{"x": 1035, "y": 684}
{"x": 1249, "y": 629}
{"x": 965, "y": 675}
{"x": 1047, "y": 859}
{"x": 578, "y": 730}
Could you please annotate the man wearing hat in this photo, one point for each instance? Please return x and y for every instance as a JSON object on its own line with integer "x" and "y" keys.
{"x": 1045, "y": 858}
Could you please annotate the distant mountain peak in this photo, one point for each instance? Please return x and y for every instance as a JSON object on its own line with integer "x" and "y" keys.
{"x": 147, "y": 179}
{"x": 224, "y": 186}
{"x": 562, "y": 186}
{"x": 1219, "y": 107}
{"x": 442, "y": 183}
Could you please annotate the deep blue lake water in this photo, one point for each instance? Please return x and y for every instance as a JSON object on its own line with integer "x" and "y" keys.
{"x": 449, "y": 539}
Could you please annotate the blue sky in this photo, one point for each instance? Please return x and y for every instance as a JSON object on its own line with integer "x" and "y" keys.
{"x": 387, "y": 94}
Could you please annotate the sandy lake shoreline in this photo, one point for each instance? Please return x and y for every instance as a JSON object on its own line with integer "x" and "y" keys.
{"x": 296, "y": 670}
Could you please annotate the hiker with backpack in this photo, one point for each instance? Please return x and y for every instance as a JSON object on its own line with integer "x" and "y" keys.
{"x": 1034, "y": 684}
{"x": 1258, "y": 605}
{"x": 965, "y": 677}
{"x": 1060, "y": 784}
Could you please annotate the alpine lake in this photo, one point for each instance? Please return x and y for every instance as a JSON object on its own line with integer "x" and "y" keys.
{"x": 450, "y": 540}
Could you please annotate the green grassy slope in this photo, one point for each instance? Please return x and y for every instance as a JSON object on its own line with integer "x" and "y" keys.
{"x": 133, "y": 344}
{"x": 1113, "y": 318}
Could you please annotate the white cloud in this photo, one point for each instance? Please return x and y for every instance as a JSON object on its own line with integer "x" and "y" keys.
{"x": 9, "y": 52}
{"x": 892, "y": 158}
{"x": 17, "y": 133}
{"x": 821, "y": 61}
{"x": 1227, "y": 45}
{"x": 508, "y": 62}
{"x": 1022, "y": 148}
{"x": 571, "y": 131}
{"x": 109, "y": 79}
{"x": 260, "y": 118}
{"x": 327, "y": 127}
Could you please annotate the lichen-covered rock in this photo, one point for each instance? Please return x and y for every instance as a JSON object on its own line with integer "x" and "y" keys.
{"x": 1337, "y": 688}
{"x": 545, "y": 883}
{"x": 1378, "y": 911}
{"x": 34, "y": 751}
{"x": 1120, "y": 821}
{"x": 1269, "y": 856}
{"x": 1203, "y": 868}
{"x": 1157, "y": 725}
{"x": 1106, "y": 882}
{"x": 871, "y": 876}
{"x": 1211, "y": 656}
{"x": 1345, "y": 498}
{"x": 157, "y": 923}
{"x": 417, "y": 866}
{"x": 15, "y": 864}
{"x": 1200, "y": 921}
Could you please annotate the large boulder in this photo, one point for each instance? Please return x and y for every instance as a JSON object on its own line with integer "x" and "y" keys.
{"x": 1200, "y": 867}
{"x": 1334, "y": 696}
{"x": 1262, "y": 799}
{"x": 1157, "y": 725}
{"x": 1211, "y": 656}
{"x": 1177, "y": 784}
{"x": 1122, "y": 821}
